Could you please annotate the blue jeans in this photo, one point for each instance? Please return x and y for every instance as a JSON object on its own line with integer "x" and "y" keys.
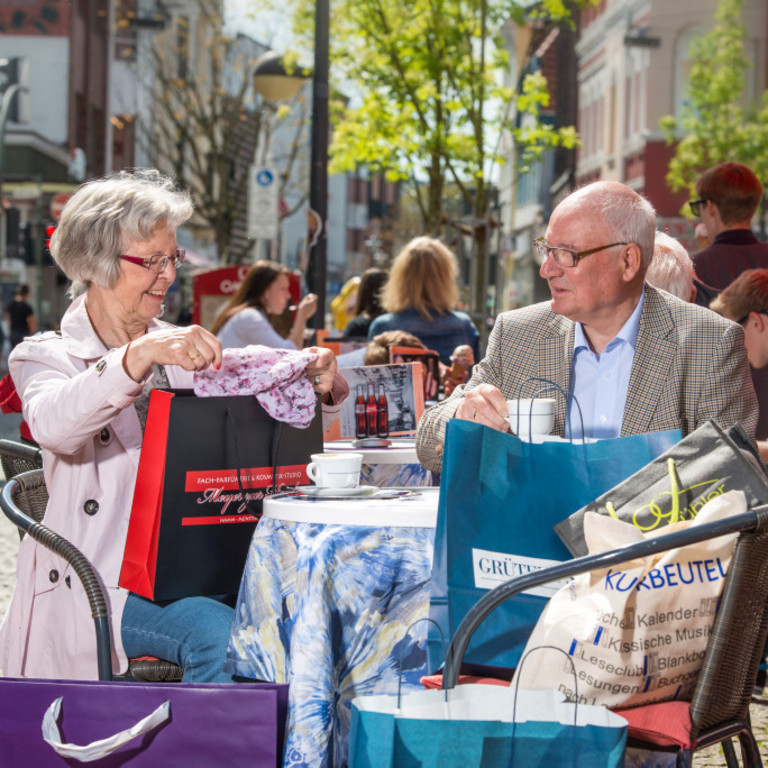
{"x": 192, "y": 632}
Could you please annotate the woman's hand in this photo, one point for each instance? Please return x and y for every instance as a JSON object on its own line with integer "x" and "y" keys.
{"x": 307, "y": 307}
{"x": 191, "y": 348}
{"x": 322, "y": 371}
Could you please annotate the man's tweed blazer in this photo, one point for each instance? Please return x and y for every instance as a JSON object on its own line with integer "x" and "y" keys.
{"x": 690, "y": 365}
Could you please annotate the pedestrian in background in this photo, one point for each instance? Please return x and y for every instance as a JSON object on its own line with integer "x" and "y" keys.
{"x": 20, "y": 316}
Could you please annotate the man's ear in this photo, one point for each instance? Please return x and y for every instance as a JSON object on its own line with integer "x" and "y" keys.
{"x": 632, "y": 261}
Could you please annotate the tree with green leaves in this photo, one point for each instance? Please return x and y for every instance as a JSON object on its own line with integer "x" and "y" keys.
{"x": 717, "y": 123}
{"x": 426, "y": 98}
{"x": 205, "y": 124}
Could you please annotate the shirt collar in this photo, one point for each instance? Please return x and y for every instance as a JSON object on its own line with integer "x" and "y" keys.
{"x": 628, "y": 332}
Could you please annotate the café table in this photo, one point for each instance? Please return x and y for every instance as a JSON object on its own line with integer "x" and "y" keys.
{"x": 395, "y": 465}
{"x": 331, "y": 602}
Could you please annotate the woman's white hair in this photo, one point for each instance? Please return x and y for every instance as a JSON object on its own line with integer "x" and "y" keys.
{"x": 104, "y": 215}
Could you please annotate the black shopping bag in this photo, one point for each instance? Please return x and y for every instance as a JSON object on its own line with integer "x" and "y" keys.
{"x": 676, "y": 485}
{"x": 190, "y": 527}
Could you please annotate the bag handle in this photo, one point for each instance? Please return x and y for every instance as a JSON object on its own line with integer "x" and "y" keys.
{"x": 573, "y": 670}
{"x": 276, "y": 438}
{"x": 545, "y": 385}
{"x": 400, "y": 670}
{"x": 96, "y": 750}
{"x": 674, "y": 513}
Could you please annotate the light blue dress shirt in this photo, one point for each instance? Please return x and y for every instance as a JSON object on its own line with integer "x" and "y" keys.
{"x": 599, "y": 382}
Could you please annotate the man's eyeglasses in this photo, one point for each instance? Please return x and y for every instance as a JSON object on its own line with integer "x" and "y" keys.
{"x": 695, "y": 206}
{"x": 157, "y": 264}
{"x": 746, "y": 317}
{"x": 564, "y": 256}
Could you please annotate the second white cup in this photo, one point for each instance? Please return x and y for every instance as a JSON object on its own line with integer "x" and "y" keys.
{"x": 335, "y": 470}
{"x": 534, "y": 416}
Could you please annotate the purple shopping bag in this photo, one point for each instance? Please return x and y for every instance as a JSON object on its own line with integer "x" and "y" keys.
{"x": 207, "y": 725}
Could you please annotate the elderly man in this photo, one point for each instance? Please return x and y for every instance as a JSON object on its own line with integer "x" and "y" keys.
{"x": 636, "y": 359}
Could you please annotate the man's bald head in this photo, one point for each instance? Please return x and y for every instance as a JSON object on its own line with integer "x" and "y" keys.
{"x": 626, "y": 215}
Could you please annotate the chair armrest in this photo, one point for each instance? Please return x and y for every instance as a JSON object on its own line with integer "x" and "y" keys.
{"x": 60, "y": 546}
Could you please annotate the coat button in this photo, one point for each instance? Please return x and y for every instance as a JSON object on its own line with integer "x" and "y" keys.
{"x": 105, "y": 436}
{"x": 91, "y": 507}
{"x": 53, "y": 576}
{"x": 68, "y": 581}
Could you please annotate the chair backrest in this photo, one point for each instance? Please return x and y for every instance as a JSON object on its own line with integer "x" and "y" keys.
{"x": 735, "y": 648}
{"x": 30, "y": 494}
{"x": 16, "y": 458}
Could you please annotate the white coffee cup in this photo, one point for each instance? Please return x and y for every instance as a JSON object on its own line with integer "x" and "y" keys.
{"x": 531, "y": 416}
{"x": 335, "y": 470}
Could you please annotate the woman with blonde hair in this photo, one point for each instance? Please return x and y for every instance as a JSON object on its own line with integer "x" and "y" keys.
{"x": 420, "y": 297}
{"x": 265, "y": 291}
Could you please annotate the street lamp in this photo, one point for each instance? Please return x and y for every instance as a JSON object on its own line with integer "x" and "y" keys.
{"x": 318, "y": 180}
{"x": 274, "y": 81}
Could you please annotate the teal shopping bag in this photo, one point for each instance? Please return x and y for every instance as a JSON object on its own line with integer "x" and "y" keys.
{"x": 479, "y": 725}
{"x": 500, "y": 498}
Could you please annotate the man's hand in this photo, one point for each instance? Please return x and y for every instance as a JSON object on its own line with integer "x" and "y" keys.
{"x": 485, "y": 405}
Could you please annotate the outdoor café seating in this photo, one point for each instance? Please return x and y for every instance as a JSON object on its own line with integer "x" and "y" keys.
{"x": 23, "y": 500}
{"x": 719, "y": 708}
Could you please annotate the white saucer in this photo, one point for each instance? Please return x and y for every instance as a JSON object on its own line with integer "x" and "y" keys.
{"x": 337, "y": 493}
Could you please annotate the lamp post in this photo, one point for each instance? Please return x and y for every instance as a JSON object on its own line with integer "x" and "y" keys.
{"x": 318, "y": 181}
{"x": 274, "y": 82}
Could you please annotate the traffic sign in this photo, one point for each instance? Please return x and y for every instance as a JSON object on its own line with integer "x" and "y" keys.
{"x": 263, "y": 204}
{"x": 58, "y": 201}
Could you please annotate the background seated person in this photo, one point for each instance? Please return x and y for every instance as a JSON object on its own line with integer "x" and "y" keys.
{"x": 265, "y": 291}
{"x": 745, "y": 301}
{"x": 671, "y": 268}
{"x": 368, "y": 306}
{"x": 420, "y": 297}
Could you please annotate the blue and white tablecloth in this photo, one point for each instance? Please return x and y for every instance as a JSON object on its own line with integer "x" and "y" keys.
{"x": 327, "y": 608}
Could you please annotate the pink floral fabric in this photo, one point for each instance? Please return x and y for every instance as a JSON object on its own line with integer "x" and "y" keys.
{"x": 275, "y": 376}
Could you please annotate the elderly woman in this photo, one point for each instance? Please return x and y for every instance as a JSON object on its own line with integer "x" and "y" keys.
{"x": 85, "y": 394}
{"x": 263, "y": 292}
{"x": 420, "y": 297}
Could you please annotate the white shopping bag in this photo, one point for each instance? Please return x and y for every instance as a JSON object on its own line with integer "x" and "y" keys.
{"x": 637, "y": 633}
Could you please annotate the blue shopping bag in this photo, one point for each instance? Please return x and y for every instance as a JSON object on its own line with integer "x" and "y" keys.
{"x": 479, "y": 725}
{"x": 500, "y": 498}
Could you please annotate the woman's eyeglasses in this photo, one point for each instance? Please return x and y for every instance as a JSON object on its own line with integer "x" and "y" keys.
{"x": 157, "y": 264}
{"x": 695, "y": 206}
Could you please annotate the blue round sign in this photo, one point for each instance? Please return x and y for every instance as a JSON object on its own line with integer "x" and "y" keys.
{"x": 264, "y": 177}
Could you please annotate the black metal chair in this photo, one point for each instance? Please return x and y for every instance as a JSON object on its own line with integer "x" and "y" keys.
{"x": 16, "y": 457}
{"x": 23, "y": 500}
{"x": 719, "y": 708}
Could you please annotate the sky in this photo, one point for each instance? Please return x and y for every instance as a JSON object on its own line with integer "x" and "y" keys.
{"x": 270, "y": 27}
